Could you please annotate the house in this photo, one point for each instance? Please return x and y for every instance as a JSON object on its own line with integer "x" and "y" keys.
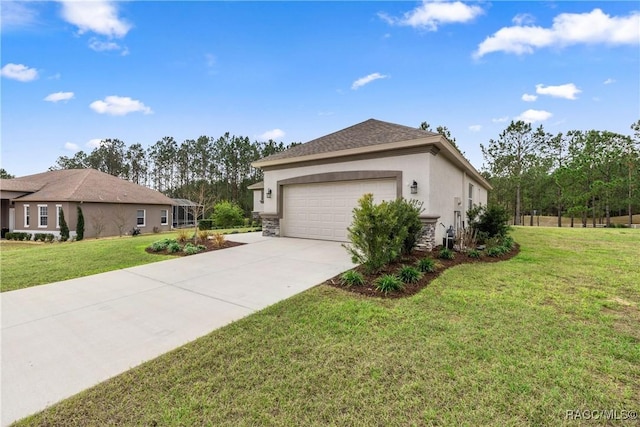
{"x": 110, "y": 206}
{"x": 311, "y": 189}
{"x": 258, "y": 199}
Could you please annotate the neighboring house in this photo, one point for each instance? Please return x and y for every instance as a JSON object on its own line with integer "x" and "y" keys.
{"x": 110, "y": 205}
{"x": 311, "y": 189}
{"x": 258, "y": 199}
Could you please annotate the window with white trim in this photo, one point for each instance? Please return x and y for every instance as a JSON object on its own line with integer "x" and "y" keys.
{"x": 140, "y": 217}
{"x": 164, "y": 217}
{"x": 470, "y": 196}
{"x": 58, "y": 209}
{"x": 27, "y": 216}
{"x": 43, "y": 216}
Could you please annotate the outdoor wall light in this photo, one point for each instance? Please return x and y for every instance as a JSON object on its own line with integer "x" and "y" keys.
{"x": 268, "y": 193}
{"x": 414, "y": 187}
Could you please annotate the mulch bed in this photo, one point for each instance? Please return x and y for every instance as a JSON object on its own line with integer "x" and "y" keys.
{"x": 368, "y": 288}
{"x": 211, "y": 246}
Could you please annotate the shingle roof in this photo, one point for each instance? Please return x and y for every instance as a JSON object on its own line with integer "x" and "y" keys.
{"x": 368, "y": 133}
{"x": 83, "y": 185}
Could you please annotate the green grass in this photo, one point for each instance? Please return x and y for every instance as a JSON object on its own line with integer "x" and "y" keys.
{"x": 25, "y": 264}
{"x": 515, "y": 343}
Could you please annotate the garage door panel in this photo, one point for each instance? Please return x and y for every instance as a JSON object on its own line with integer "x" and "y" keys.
{"x": 325, "y": 210}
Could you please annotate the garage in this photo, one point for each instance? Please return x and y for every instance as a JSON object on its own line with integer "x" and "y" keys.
{"x": 324, "y": 210}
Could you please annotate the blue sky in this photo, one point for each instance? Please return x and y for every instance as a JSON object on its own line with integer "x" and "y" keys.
{"x": 77, "y": 72}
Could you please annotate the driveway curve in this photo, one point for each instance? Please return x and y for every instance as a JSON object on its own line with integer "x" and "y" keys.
{"x": 61, "y": 338}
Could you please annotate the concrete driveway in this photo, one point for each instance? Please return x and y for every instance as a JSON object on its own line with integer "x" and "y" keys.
{"x": 62, "y": 338}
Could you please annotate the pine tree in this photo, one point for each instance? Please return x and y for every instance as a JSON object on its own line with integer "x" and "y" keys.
{"x": 64, "y": 228}
{"x": 80, "y": 226}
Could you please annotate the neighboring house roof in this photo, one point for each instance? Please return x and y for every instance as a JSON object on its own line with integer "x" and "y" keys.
{"x": 256, "y": 186}
{"x": 82, "y": 185}
{"x": 368, "y": 137}
{"x": 184, "y": 202}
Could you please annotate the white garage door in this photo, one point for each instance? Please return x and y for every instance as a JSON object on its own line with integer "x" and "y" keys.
{"x": 324, "y": 211}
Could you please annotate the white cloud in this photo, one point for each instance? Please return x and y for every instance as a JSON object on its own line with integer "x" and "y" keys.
{"x": 71, "y": 146}
{"x": 59, "y": 96}
{"x": 475, "y": 128}
{"x": 432, "y": 14}
{"x": 94, "y": 143}
{"x": 17, "y": 14}
{"x": 98, "y": 16}
{"x": 500, "y": 119}
{"x": 529, "y": 98}
{"x": 19, "y": 72}
{"x": 272, "y": 134}
{"x": 532, "y": 116}
{"x": 609, "y": 81}
{"x": 119, "y": 106}
{"x": 523, "y": 19}
{"x": 367, "y": 79}
{"x": 567, "y": 29}
{"x": 566, "y": 91}
{"x": 105, "y": 46}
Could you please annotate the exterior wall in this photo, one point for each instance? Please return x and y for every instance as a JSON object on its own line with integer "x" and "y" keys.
{"x": 96, "y": 215}
{"x": 413, "y": 167}
{"x": 258, "y": 203}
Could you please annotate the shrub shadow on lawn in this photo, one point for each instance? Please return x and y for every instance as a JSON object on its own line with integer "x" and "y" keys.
{"x": 368, "y": 288}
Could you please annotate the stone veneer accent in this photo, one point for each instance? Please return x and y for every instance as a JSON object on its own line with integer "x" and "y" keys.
{"x": 270, "y": 225}
{"x": 427, "y": 240}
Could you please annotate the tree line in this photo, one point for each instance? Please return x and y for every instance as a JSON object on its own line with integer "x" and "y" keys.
{"x": 587, "y": 176}
{"x": 204, "y": 170}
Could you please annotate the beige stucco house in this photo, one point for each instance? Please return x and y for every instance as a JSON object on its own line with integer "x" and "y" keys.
{"x": 110, "y": 205}
{"x": 310, "y": 190}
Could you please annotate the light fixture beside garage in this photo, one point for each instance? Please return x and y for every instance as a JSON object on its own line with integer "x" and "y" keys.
{"x": 414, "y": 187}
{"x": 269, "y": 193}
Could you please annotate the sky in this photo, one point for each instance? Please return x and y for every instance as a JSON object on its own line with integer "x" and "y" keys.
{"x": 76, "y": 72}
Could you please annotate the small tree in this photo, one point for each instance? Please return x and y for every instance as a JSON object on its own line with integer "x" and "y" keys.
{"x": 491, "y": 221}
{"x": 375, "y": 236}
{"x": 227, "y": 214}
{"x": 80, "y": 225}
{"x": 64, "y": 228}
{"x": 408, "y": 214}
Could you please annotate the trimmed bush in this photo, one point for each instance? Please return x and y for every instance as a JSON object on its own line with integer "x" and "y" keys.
{"x": 64, "y": 228}
{"x": 205, "y": 224}
{"x": 427, "y": 265}
{"x": 173, "y": 247}
{"x": 407, "y": 215}
{"x": 489, "y": 221}
{"x": 80, "y": 225}
{"x": 352, "y": 278}
{"x": 190, "y": 249}
{"x": 388, "y": 283}
{"x": 161, "y": 245}
{"x": 409, "y": 274}
{"x": 18, "y": 236}
{"x": 227, "y": 214}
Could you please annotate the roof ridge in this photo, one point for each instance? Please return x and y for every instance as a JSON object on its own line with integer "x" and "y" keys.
{"x": 82, "y": 180}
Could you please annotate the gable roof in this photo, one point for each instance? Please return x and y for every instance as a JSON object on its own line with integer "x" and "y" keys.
{"x": 82, "y": 185}
{"x": 368, "y": 133}
{"x": 368, "y": 137}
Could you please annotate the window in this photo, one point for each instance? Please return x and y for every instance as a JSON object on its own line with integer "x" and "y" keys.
{"x": 164, "y": 217}
{"x": 58, "y": 209}
{"x": 27, "y": 216}
{"x": 140, "y": 217}
{"x": 43, "y": 216}
{"x": 470, "y": 196}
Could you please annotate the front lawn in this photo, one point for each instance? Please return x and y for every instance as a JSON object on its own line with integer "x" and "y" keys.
{"x": 514, "y": 343}
{"x": 25, "y": 264}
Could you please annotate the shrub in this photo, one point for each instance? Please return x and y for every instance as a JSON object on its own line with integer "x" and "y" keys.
{"x": 497, "y": 251}
{"x": 183, "y": 236}
{"x": 173, "y": 247}
{"x": 409, "y": 274}
{"x": 218, "y": 240}
{"x": 407, "y": 215}
{"x": 190, "y": 249}
{"x": 492, "y": 220}
{"x": 446, "y": 253}
{"x": 388, "y": 283}
{"x": 64, "y": 228}
{"x": 203, "y": 235}
{"x": 49, "y": 237}
{"x": 508, "y": 242}
{"x": 427, "y": 265}
{"x": 227, "y": 214}
{"x": 80, "y": 225}
{"x": 202, "y": 248}
{"x": 374, "y": 235}
{"x": 160, "y": 245}
{"x": 352, "y": 278}
{"x": 473, "y": 253}
{"x": 205, "y": 224}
